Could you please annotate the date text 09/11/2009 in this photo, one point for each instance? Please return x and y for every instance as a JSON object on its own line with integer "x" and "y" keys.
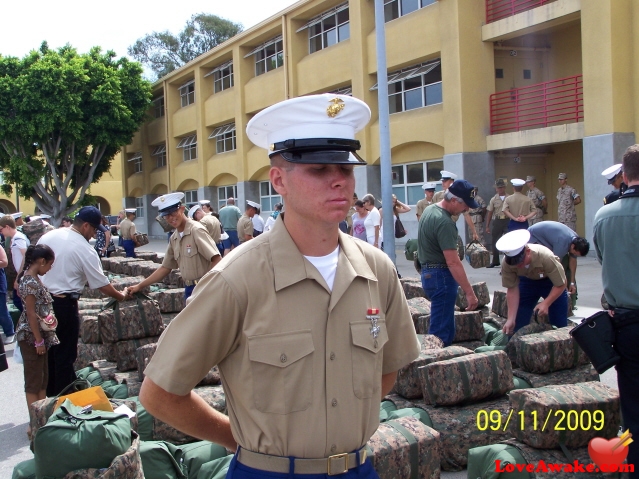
{"x": 564, "y": 420}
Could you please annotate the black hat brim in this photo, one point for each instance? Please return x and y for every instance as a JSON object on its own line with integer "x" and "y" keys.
{"x": 322, "y": 157}
{"x": 169, "y": 210}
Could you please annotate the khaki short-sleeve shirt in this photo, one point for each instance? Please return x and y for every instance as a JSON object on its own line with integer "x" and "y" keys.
{"x": 496, "y": 205}
{"x": 422, "y": 204}
{"x": 244, "y": 227}
{"x": 300, "y": 367}
{"x": 518, "y": 204}
{"x": 127, "y": 229}
{"x": 212, "y": 225}
{"x": 543, "y": 264}
{"x": 192, "y": 253}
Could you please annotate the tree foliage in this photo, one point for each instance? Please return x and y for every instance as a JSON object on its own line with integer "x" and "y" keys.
{"x": 63, "y": 117}
{"x": 163, "y": 52}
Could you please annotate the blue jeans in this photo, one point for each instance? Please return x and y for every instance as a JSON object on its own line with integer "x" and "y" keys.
{"x": 530, "y": 290}
{"x": 188, "y": 291}
{"x": 240, "y": 471}
{"x": 441, "y": 287}
{"x": 517, "y": 225}
{"x": 17, "y": 302}
{"x": 5, "y": 318}
{"x": 129, "y": 247}
{"x": 234, "y": 239}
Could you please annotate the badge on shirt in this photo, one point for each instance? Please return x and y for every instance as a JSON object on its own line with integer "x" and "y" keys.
{"x": 373, "y": 316}
{"x": 188, "y": 249}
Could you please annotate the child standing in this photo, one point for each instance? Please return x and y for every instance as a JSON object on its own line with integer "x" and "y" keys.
{"x": 33, "y": 341}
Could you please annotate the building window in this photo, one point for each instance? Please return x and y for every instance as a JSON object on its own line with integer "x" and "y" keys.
{"x": 222, "y": 76}
{"x": 136, "y": 162}
{"x": 158, "y": 107}
{"x": 414, "y": 87}
{"x": 224, "y": 193}
{"x": 409, "y": 178}
{"x": 187, "y": 93}
{"x": 327, "y": 29}
{"x": 347, "y": 90}
{"x": 224, "y": 138}
{"x": 268, "y": 56}
{"x": 190, "y": 197}
{"x": 527, "y": 74}
{"x": 189, "y": 147}
{"x": 268, "y": 196}
{"x": 159, "y": 153}
{"x": 398, "y": 8}
{"x": 499, "y": 73}
{"x": 139, "y": 207}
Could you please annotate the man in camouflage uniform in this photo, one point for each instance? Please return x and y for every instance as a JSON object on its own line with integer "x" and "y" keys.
{"x": 538, "y": 198}
{"x": 429, "y": 192}
{"x": 567, "y": 198}
{"x": 500, "y": 220}
{"x": 477, "y": 216}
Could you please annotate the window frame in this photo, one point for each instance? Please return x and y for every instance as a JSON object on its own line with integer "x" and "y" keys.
{"x": 187, "y": 93}
{"x": 400, "y": 12}
{"x": 190, "y": 197}
{"x": 158, "y": 107}
{"x": 220, "y": 74}
{"x": 278, "y": 55}
{"x": 340, "y": 27}
{"x": 189, "y": 147}
{"x": 225, "y": 138}
{"x": 401, "y": 190}
{"x": 272, "y": 197}
{"x": 139, "y": 206}
{"x": 136, "y": 161}
{"x": 221, "y": 201}
{"x": 399, "y": 91}
{"x": 160, "y": 155}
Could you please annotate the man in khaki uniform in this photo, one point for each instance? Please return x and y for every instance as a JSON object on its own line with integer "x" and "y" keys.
{"x": 538, "y": 198}
{"x": 500, "y": 220}
{"x": 210, "y": 222}
{"x": 448, "y": 179}
{"x": 568, "y": 198}
{"x": 191, "y": 248}
{"x": 429, "y": 193}
{"x": 309, "y": 343}
{"x": 245, "y": 223}
{"x": 349, "y": 215}
{"x": 518, "y": 207}
{"x": 531, "y": 272}
{"x": 477, "y": 216}
{"x": 127, "y": 232}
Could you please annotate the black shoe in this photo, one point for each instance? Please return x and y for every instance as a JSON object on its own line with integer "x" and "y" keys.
{"x": 492, "y": 266}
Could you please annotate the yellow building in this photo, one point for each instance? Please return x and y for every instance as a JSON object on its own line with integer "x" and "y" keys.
{"x": 476, "y": 87}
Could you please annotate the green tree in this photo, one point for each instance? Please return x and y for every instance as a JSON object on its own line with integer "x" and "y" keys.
{"x": 163, "y": 52}
{"x": 63, "y": 117}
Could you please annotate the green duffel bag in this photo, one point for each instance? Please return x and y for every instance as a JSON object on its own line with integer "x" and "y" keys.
{"x": 481, "y": 461}
{"x": 499, "y": 339}
{"x": 145, "y": 420}
{"x": 114, "y": 390}
{"x": 90, "y": 374}
{"x": 75, "y": 438}
{"x": 24, "y": 470}
{"x": 487, "y": 349}
{"x": 158, "y": 461}
{"x": 385, "y": 408}
{"x": 410, "y": 248}
{"x": 216, "y": 469}
{"x": 192, "y": 456}
{"x": 489, "y": 332}
{"x": 521, "y": 383}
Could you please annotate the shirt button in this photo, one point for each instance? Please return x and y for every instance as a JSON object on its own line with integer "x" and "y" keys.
{"x": 283, "y": 358}
{"x": 333, "y": 448}
{"x": 334, "y": 402}
{"x": 332, "y": 356}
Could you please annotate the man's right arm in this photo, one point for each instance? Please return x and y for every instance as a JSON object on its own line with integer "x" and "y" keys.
{"x": 109, "y": 290}
{"x": 189, "y": 414}
{"x": 489, "y": 216}
{"x": 457, "y": 270}
{"x": 512, "y": 300}
{"x": 157, "y": 276}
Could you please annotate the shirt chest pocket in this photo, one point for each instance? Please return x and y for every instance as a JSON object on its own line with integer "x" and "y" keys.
{"x": 367, "y": 357}
{"x": 282, "y": 370}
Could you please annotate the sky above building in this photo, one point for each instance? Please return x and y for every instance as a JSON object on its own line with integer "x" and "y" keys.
{"x": 112, "y": 25}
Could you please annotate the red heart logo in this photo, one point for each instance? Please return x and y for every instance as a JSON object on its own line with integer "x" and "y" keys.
{"x": 601, "y": 452}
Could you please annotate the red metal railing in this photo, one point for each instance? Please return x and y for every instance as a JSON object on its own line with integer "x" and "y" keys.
{"x": 537, "y": 106}
{"x": 498, "y": 9}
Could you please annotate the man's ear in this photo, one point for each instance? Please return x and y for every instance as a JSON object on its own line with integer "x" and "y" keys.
{"x": 277, "y": 175}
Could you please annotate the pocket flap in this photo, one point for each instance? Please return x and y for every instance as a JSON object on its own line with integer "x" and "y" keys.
{"x": 362, "y": 336}
{"x": 280, "y": 349}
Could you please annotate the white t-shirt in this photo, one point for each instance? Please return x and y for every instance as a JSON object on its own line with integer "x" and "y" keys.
{"x": 258, "y": 223}
{"x": 372, "y": 219}
{"x": 76, "y": 263}
{"x": 326, "y": 265}
{"x": 270, "y": 221}
{"x": 18, "y": 242}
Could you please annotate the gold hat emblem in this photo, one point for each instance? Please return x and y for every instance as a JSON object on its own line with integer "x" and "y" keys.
{"x": 336, "y": 106}
{"x": 162, "y": 199}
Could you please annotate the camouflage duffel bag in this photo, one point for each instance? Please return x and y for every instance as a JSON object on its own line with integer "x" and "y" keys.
{"x": 477, "y": 255}
{"x": 499, "y": 306}
{"x": 170, "y": 300}
{"x": 468, "y": 325}
{"x": 467, "y": 378}
{"x": 463, "y": 427}
{"x": 90, "y": 330}
{"x": 107, "y": 262}
{"x": 125, "y": 352}
{"x": 146, "y": 268}
{"x": 87, "y": 353}
{"x": 107, "y": 369}
{"x": 417, "y": 307}
{"x": 132, "y": 268}
{"x": 413, "y": 289}
{"x": 91, "y": 303}
{"x": 124, "y": 466}
{"x": 580, "y": 374}
{"x": 460, "y": 248}
{"x": 146, "y": 255}
{"x": 549, "y": 351}
{"x": 408, "y": 383}
{"x": 472, "y": 345}
{"x": 405, "y": 448}
{"x": 511, "y": 344}
{"x": 131, "y": 320}
{"x": 174, "y": 278}
{"x": 480, "y": 290}
{"x": 212, "y": 378}
{"x": 560, "y": 410}
{"x": 142, "y": 357}
{"x": 212, "y": 395}
{"x": 118, "y": 266}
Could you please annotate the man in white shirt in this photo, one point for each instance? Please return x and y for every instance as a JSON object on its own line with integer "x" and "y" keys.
{"x": 258, "y": 224}
{"x": 19, "y": 245}
{"x": 76, "y": 264}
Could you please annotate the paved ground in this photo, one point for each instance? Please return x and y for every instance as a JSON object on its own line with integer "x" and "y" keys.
{"x": 13, "y": 409}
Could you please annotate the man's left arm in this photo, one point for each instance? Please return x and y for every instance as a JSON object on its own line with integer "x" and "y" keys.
{"x": 555, "y": 272}
{"x": 205, "y": 246}
{"x": 572, "y": 266}
{"x": 576, "y": 198}
{"x": 388, "y": 381}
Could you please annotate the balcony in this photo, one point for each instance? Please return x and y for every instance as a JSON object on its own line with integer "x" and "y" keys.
{"x": 498, "y": 9}
{"x": 542, "y": 105}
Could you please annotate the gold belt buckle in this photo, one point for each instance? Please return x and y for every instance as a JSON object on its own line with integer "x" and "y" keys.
{"x": 338, "y": 456}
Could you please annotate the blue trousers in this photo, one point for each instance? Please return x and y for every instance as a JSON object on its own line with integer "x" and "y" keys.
{"x": 5, "y": 318}
{"x": 516, "y": 225}
{"x": 129, "y": 247}
{"x": 530, "y": 291}
{"x": 17, "y": 302}
{"x": 628, "y": 382}
{"x": 441, "y": 287}
{"x": 188, "y": 291}
{"x": 240, "y": 471}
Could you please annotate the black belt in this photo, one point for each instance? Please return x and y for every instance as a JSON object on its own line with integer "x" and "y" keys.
{"x": 435, "y": 265}
{"x": 624, "y": 317}
{"x": 74, "y": 296}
